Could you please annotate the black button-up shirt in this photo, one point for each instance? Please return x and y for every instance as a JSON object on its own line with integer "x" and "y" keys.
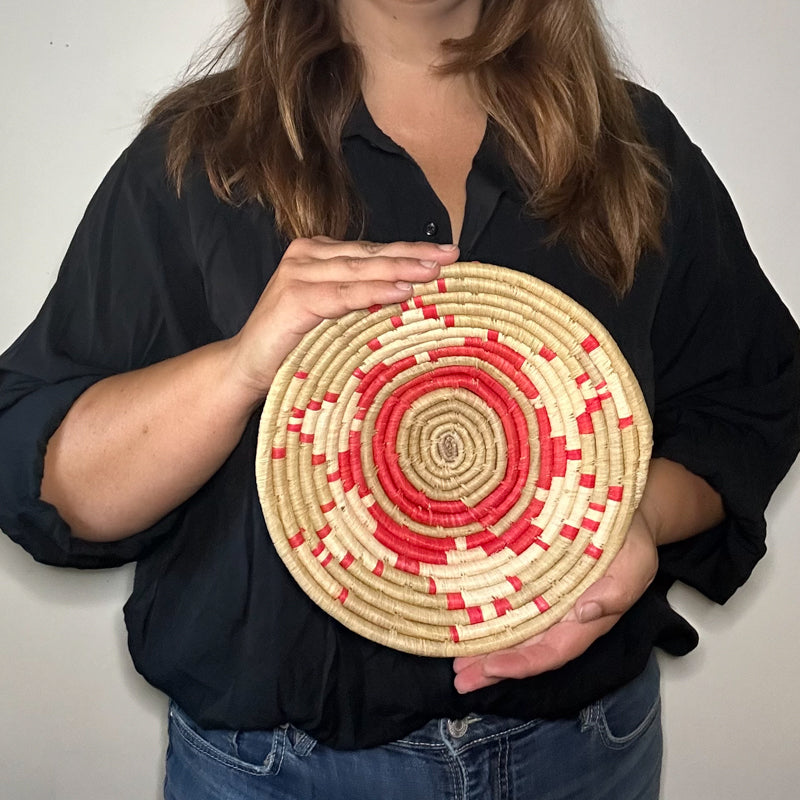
{"x": 214, "y": 619}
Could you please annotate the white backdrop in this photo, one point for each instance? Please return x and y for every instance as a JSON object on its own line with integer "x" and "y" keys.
{"x": 75, "y": 719}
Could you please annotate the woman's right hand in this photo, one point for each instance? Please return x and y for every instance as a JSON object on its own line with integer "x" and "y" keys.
{"x": 322, "y": 278}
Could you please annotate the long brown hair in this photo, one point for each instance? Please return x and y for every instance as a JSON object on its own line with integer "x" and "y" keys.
{"x": 268, "y": 127}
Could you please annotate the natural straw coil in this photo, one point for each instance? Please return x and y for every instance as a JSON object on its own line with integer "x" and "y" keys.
{"x": 447, "y": 475}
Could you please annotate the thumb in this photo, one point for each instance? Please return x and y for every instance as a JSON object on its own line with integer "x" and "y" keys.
{"x": 601, "y": 599}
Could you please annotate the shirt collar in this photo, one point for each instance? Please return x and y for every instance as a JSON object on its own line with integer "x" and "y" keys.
{"x": 360, "y": 123}
{"x": 489, "y": 158}
{"x": 488, "y": 180}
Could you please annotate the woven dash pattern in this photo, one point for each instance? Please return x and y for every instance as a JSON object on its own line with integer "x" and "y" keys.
{"x": 445, "y": 476}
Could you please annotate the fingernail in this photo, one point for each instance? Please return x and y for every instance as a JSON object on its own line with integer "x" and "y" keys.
{"x": 590, "y": 612}
{"x": 404, "y": 285}
{"x": 429, "y": 264}
{"x": 448, "y": 248}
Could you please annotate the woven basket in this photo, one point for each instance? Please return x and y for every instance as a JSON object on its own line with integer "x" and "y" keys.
{"x": 445, "y": 476}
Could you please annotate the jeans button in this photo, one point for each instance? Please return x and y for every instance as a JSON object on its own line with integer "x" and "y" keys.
{"x": 457, "y": 727}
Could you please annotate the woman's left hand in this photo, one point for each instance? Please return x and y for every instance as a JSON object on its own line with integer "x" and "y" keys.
{"x": 595, "y": 613}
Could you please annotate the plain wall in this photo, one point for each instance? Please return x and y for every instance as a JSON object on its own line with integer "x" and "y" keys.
{"x": 76, "y": 721}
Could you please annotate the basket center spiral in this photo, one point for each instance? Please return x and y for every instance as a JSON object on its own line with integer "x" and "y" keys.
{"x": 450, "y": 447}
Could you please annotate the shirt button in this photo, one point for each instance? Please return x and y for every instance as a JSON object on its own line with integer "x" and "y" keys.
{"x": 457, "y": 727}
{"x": 431, "y": 229}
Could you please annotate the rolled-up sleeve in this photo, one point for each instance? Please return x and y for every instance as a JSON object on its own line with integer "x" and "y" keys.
{"x": 128, "y": 294}
{"x": 727, "y": 378}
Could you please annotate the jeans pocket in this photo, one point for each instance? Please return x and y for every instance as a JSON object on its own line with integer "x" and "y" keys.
{"x": 624, "y": 716}
{"x": 251, "y": 752}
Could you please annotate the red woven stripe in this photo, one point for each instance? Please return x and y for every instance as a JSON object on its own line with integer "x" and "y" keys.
{"x": 569, "y": 532}
{"x": 306, "y": 438}
{"x": 378, "y": 570}
{"x": 625, "y": 422}
{"x": 359, "y": 373}
{"x": 314, "y": 405}
{"x": 331, "y": 397}
{"x": 344, "y": 468}
{"x": 328, "y": 507}
{"x": 593, "y": 405}
{"x": 334, "y": 476}
{"x": 559, "y": 456}
{"x": 297, "y": 539}
{"x": 524, "y": 540}
{"x": 301, "y": 375}
{"x": 581, "y": 379}
{"x": 376, "y": 307}
{"x": 615, "y": 493}
{"x": 348, "y": 561}
{"x": 479, "y": 539}
{"x": 585, "y": 424}
{"x": 454, "y": 633}
{"x": 298, "y": 413}
{"x": 406, "y": 542}
{"x": 374, "y": 344}
{"x": 590, "y": 343}
{"x": 541, "y": 604}
{"x": 534, "y": 508}
{"x": 546, "y": 466}
{"x": 502, "y": 606}
{"x": 590, "y": 524}
{"x": 475, "y": 615}
{"x": 343, "y": 595}
{"x": 541, "y": 543}
{"x": 494, "y": 546}
{"x": 397, "y": 321}
{"x": 574, "y": 455}
{"x": 597, "y": 507}
{"x": 405, "y": 564}
{"x": 455, "y": 600}
{"x": 404, "y": 306}
{"x": 431, "y": 586}
{"x": 278, "y": 453}
{"x": 602, "y": 385}
{"x": 418, "y": 301}
{"x": 449, "y": 321}
{"x": 521, "y": 534}
{"x": 430, "y": 312}
{"x": 593, "y": 551}
{"x": 493, "y": 336}
{"x": 318, "y": 549}
{"x": 327, "y": 560}
{"x": 317, "y": 459}
{"x": 547, "y": 353}
{"x": 323, "y": 532}
{"x": 605, "y": 396}
{"x": 499, "y": 355}
{"x": 294, "y": 427}
{"x": 588, "y": 481}
{"x": 441, "y": 285}
{"x": 515, "y": 582}
{"x": 356, "y": 473}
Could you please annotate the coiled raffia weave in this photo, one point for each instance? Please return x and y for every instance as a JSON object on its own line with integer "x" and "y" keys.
{"x": 446, "y": 476}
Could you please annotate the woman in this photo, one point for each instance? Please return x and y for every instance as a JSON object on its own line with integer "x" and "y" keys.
{"x": 144, "y": 371}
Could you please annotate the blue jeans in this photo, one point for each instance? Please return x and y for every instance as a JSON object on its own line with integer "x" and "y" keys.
{"x": 610, "y": 751}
